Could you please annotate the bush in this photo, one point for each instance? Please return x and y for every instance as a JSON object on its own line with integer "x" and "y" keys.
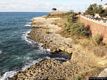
{"x": 73, "y": 27}
{"x": 78, "y": 29}
{"x": 98, "y": 39}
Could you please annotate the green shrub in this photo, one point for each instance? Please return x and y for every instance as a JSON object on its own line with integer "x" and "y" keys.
{"x": 78, "y": 29}
{"x": 98, "y": 39}
{"x": 73, "y": 27}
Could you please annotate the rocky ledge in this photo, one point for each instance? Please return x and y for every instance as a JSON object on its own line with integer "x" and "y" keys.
{"x": 47, "y": 69}
{"x": 51, "y": 69}
{"x": 45, "y": 30}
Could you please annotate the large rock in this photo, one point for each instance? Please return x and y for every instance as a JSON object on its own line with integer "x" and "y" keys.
{"x": 103, "y": 73}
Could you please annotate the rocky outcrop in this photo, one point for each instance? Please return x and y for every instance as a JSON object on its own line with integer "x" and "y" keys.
{"x": 82, "y": 64}
{"x": 48, "y": 69}
{"x": 47, "y": 33}
{"x": 51, "y": 69}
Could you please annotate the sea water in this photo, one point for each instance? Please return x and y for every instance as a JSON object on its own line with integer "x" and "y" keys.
{"x": 15, "y": 49}
{"x": 17, "y": 52}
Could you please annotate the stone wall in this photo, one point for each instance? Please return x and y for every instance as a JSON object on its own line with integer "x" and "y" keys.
{"x": 96, "y": 27}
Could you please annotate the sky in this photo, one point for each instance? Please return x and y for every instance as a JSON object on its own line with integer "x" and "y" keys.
{"x": 45, "y": 5}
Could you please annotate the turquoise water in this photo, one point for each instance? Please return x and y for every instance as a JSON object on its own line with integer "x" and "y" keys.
{"x": 15, "y": 51}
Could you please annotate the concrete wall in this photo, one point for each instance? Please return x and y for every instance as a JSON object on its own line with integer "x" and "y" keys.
{"x": 96, "y": 27}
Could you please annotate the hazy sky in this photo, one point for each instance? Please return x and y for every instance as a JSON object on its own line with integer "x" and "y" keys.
{"x": 45, "y": 5}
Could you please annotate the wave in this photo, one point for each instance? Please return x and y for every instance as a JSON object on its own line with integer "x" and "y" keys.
{"x": 25, "y": 37}
{"x": 27, "y": 65}
{"x": 0, "y": 51}
{"x": 28, "y": 24}
{"x": 25, "y": 34}
{"x": 33, "y": 62}
{"x": 10, "y": 74}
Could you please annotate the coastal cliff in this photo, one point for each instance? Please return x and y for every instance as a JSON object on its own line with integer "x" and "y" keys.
{"x": 45, "y": 30}
{"x": 82, "y": 64}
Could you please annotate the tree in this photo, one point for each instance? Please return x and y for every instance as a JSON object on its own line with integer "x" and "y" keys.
{"x": 93, "y": 9}
{"x": 54, "y": 9}
{"x": 103, "y": 13}
{"x": 100, "y": 9}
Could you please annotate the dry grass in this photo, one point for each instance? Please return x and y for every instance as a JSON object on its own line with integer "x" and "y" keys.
{"x": 89, "y": 58}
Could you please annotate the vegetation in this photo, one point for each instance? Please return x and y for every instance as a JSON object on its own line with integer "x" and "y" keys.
{"x": 92, "y": 9}
{"x": 98, "y": 39}
{"x": 96, "y": 9}
{"x": 103, "y": 13}
{"x": 74, "y": 27}
{"x": 54, "y": 9}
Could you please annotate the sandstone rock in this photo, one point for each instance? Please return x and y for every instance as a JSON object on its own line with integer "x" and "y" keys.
{"x": 103, "y": 73}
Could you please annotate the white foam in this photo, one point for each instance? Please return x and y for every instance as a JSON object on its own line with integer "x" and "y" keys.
{"x": 27, "y": 65}
{"x": 8, "y": 74}
{"x": 32, "y": 63}
{"x": 59, "y": 58}
{"x": 28, "y": 24}
{"x": 25, "y": 35}
{"x": 0, "y": 51}
{"x": 28, "y": 40}
{"x": 48, "y": 50}
{"x": 32, "y": 42}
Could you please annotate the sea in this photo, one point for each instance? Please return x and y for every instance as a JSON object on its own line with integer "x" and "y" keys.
{"x": 17, "y": 52}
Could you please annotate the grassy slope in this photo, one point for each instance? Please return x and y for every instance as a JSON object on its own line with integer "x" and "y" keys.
{"x": 87, "y": 53}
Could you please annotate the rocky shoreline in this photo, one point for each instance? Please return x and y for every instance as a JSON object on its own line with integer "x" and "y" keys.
{"x": 80, "y": 65}
{"x": 45, "y": 31}
{"x": 47, "y": 69}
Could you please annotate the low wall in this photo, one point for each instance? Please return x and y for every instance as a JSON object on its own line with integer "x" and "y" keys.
{"x": 96, "y": 27}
